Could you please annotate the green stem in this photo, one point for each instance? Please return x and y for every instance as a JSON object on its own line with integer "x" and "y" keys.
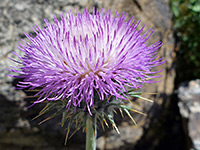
{"x": 90, "y": 133}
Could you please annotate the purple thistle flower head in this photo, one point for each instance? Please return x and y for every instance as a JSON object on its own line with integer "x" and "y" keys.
{"x": 86, "y": 56}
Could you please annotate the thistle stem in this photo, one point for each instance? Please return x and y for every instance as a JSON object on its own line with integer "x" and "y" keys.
{"x": 90, "y": 133}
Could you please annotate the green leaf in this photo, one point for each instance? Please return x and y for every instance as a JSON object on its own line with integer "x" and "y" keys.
{"x": 196, "y": 8}
{"x": 175, "y": 9}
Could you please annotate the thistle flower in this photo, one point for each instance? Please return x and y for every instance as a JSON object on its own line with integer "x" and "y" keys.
{"x": 84, "y": 66}
{"x": 87, "y": 58}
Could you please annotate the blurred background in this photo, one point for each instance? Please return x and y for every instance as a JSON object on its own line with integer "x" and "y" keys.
{"x": 173, "y": 119}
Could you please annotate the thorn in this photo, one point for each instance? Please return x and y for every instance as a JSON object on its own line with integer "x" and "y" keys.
{"x": 130, "y": 101}
{"x": 146, "y": 99}
{"x": 32, "y": 90}
{"x": 95, "y": 135}
{"x": 139, "y": 112}
{"x": 45, "y": 120}
{"x": 114, "y": 126}
{"x": 83, "y": 130}
{"x": 73, "y": 133}
{"x": 67, "y": 135}
{"x": 31, "y": 96}
{"x": 109, "y": 98}
{"x": 102, "y": 126}
{"x": 43, "y": 109}
{"x": 115, "y": 111}
{"x": 121, "y": 112}
{"x": 132, "y": 119}
{"x": 36, "y": 117}
{"x": 76, "y": 123}
{"x": 136, "y": 110}
{"x": 106, "y": 123}
{"x": 68, "y": 116}
{"x": 150, "y": 93}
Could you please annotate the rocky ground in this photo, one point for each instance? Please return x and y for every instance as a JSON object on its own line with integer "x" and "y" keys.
{"x": 189, "y": 106}
{"x": 160, "y": 130}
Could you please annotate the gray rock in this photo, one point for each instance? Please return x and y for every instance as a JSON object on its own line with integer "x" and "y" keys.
{"x": 189, "y": 104}
{"x": 113, "y": 140}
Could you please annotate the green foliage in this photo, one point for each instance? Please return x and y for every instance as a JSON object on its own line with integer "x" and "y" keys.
{"x": 187, "y": 24}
